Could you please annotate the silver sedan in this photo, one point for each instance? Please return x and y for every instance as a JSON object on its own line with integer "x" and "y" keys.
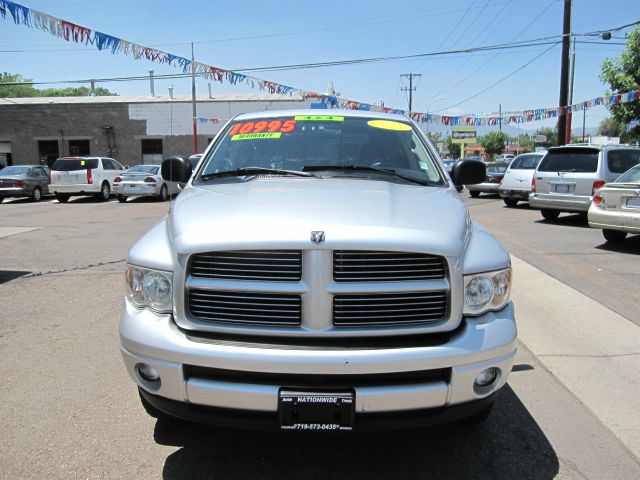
{"x": 24, "y": 181}
{"x": 143, "y": 180}
{"x": 615, "y": 208}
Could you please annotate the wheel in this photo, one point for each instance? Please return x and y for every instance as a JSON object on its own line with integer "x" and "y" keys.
{"x": 105, "y": 192}
{"x": 62, "y": 198}
{"x": 614, "y": 236}
{"x": 510, "y": 202}
{"x": 36, "y": 195}
{"x": 479, "y": 417}
{"x": 550, "y": 214}
{"x": 164, "y": 193}
{"x": 1, "y": 199}
{"x": 121, "y": 198}
{"x": 474, "y": 194}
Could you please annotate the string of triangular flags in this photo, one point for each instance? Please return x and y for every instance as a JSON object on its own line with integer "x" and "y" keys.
{"x": 71, "y": 32}
{"x": 215, "y": 121}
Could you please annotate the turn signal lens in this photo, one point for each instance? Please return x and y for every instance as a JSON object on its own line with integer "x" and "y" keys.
{"x": 150, "y": 180}
{"x": 598, "y": 200}
{"x": 19, "y": 183}
{"x": 597, "y": 185}
{"x": 117, "y": 180}
{"x": 533, "y": 185}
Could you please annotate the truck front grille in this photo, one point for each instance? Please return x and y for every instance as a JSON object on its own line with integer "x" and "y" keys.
{"x": 380, "y": 266}
{"x": 383, "y": 309}
{"x": 260, "y": 265}
{"x": 245, "y": 308}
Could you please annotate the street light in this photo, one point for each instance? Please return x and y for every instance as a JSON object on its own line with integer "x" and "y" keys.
{"x": 429, "y": 105}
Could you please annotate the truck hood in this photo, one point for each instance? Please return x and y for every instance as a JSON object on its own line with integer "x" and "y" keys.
{"x": 281, "y": 213}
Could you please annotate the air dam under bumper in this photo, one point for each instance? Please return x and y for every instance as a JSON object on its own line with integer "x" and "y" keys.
{"x": 481, "y": 342}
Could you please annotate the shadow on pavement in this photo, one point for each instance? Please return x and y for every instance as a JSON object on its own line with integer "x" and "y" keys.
{"x": 630, "y": 245}
{"x": 508, "y": 445}
{"x": 577, "y": 220}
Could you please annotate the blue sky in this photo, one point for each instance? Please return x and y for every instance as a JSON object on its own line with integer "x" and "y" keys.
{"x": 291, "y": 32}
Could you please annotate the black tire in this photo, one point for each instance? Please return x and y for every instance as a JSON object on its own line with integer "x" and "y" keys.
{"x": 474, "y": 194}
{"x": 105, "y": 192}
{"x": 36, "y": 195}
{"x": 62, "y": 198}
{"x": 1, "y": 199}
{"x": 549, "y": 214}
{"x": 614, "y": 236}
{"x": 121, "y": 198}
{"x": 164, "y": 193}
{"x": 479, "y": 417}
{"x": 510, "y": 202}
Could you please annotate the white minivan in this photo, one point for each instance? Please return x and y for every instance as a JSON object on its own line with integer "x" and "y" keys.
{"x": 73, "y": 176}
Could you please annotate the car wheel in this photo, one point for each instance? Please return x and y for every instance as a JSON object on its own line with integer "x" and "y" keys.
{"x": 36, "y": 195}
{"x": 510, "y": 202}
{"x": 1, "y": 199}
{"x": 105, "y": 192}
{"x": 550, "y": 214}
{"x": 62, "y": 198}
{"x": 474, "y": 194}
{"x": 614, "y": 236}
{"x": 164, "y": 193}
{"x": 121, "y": 198}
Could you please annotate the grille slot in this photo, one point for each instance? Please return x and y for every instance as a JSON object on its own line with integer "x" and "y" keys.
{"x": 245, "y": 308}
{"x": 260, "y": 265}
{"x": 389, "y": 309}
{"x": 376, "y": 266}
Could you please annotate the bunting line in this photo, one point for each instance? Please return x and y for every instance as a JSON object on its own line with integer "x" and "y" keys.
{"x": 71, "y": 32}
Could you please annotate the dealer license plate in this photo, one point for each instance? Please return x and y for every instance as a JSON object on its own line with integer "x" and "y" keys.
{"x": 633, "y": 202}
{"x": 565, "y": 188}
{"x": 321, "y": 410}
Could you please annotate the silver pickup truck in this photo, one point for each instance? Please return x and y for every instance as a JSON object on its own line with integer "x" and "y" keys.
{"x": 319, "y": 271}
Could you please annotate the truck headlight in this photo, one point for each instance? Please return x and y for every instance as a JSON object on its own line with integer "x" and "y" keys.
{"x": 150, "y": 288}
{"x": 486, "y": 291}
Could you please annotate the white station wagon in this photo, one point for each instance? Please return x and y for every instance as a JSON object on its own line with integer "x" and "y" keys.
{"x": 77, "y": 176}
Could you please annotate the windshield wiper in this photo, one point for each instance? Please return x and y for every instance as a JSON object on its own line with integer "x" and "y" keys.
{"x": 238, "y": 172}
{"x": 365, "y": 168}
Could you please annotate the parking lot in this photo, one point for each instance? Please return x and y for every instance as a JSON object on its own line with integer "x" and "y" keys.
{"x": 69, "y": 409}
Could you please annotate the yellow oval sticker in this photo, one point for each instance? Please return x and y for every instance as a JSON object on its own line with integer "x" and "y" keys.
{"x": 389, "y": 125}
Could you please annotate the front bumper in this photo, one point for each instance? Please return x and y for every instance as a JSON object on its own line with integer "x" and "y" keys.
{"x": 484, "y": 187}
{"x": 146, "y": 337}
{"x": 564, "y": 203}
{"x": 136, "y": 189}
{"x": 75, "y": 189}
{"x": 624, "y": 221}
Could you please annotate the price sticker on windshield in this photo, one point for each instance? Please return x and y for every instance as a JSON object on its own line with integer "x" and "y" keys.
{"x": 319, "y": 118}
{"x": 389, "y": 125}
{"x": 261, "y": 127}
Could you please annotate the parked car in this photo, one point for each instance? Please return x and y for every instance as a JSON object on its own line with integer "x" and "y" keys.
{"x": 495, "y": 172}
{"x": 615, "y": 208}
{"x": 74, "y": 176}
{"x": 24, "y": 181}
{"x": 475, "y": 157}
{"x": 516, "y": 183}
{"x": 448, "y": 164}
{"x": 143, "y": 180}
{"x": 568, "y": 176}
{"x": 319, "y": 272}
{"x": 505, "y": 157}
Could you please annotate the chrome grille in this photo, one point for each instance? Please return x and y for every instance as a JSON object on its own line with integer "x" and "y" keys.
{"x": 377, "y": 266}
{"x": 389, "y": 308}
{"x": 246, "y": 308}
{"x": 260, "y": 265}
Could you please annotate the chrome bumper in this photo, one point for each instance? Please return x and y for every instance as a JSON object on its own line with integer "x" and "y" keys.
{"x": 625, "y": 221}
{"x": 482, "y": 342}
{"x": 139, "y": 190}
{"x": 564, "y": 203}
{"x": 483, "y": 187}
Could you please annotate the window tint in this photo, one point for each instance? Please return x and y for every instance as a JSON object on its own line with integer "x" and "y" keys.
{"x": 106, "y": 164}
{"x": 619, "y": 161}
{"x": 149, "y": 169}
{"x": 14, "y": 171}
{"x": 526, "y": 162}
{"x": 117, "y": 165}
{"x": 632, "y": 176}
{"x": 41, "y": 172}
{"x": 570, "y": 160}
{"x": 69, "y": 164}
{"x": 496, "y": 168}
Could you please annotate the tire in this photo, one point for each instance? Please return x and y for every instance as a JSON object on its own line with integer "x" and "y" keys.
{"x": 510, "y": 202}
{"x": 36, "y": 195}
{"x": 550, "y": 214}
{"x": 479, "y": 417}
{"x": 474, "y": 194}
{"x": 105, "y": 192}
{"x": 1, "y": 199}
{"x": 121, "y": 198}
{"x": 164, "y": 193}
{"x": 62, "y": 198}
{"x": 614, "y": 236}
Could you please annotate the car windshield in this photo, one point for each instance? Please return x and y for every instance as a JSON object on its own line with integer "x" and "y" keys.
{"x": 148, "y": 169}
{"x": 579, "y": 160}
{"x": 631, "y": 176}
{"x": 343, "y": 145}
{"x": 70, "y": 164}
{"x": 14, "y": 171}
{"x": 526, "y": 162}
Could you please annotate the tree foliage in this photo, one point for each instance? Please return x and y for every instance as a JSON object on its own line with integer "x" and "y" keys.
{"x": 493, "y": 142}
{"x": 28, "y": 90}
{"x": 611, "y": 127}
{"x": 454, "y": 148}
{"x": 551, "y": 134}
{"x": 623, "y": 75}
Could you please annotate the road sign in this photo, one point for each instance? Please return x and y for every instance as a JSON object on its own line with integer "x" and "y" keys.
{"x": 538, "y": 138}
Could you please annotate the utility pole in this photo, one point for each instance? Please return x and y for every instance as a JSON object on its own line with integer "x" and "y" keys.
{"x": 193, "y": 102}
{"x": 411, "y": 87}
{"x": 564, "y": 73}
{"x": 569, "y": 113}
{"x": 500, "y": 115}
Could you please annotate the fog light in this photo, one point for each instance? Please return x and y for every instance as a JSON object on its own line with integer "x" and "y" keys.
{"x": 486, "y": 377}
{"x": 148, "y": 372}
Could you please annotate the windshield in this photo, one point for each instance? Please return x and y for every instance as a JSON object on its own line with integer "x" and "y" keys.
{"x": 14, "y": 171}
{"x": 70, "y": 164}
{"x": 570, "y": 160}
{"x": 296, "y": 143}
{"x": 632, "y": 176}
{"x": 148, "y": 169}
{"x": 526, "y": 162}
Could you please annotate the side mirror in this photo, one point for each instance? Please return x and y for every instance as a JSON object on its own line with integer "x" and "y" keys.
{"x": 468, "y": 172}
{"x": 176, "y": 169}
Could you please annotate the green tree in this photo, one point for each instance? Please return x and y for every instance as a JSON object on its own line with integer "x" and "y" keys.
{"x": 27, "y": 90}
{"x": 611, "y": 127}
{"x": 454, "y": 148}
{"x": 493, "y": 142}
{"x": 623, "y": 75}
{"x": 435, "y": 137}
